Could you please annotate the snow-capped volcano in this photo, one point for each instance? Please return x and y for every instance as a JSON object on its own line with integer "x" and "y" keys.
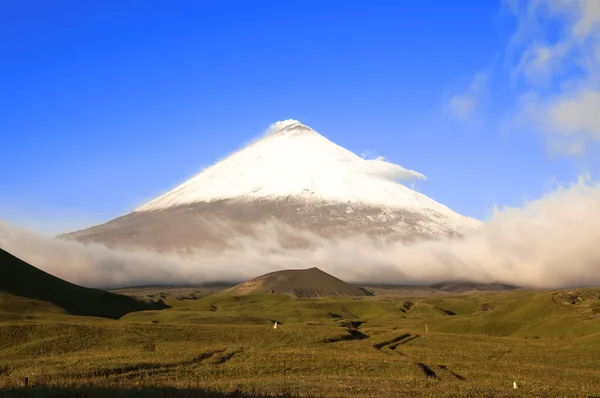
{"x": 296, "y": 176}
{"x": 295, "y": 161}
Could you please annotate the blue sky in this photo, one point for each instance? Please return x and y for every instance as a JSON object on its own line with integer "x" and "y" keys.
{"x": 105, "y": 105}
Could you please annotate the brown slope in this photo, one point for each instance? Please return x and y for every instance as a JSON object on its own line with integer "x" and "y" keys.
{"x": 302, "y": 283}
{"x": 212, "y": 224}
{"x": 21, "y": 279}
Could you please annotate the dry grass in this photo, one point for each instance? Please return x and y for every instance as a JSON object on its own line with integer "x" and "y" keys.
{"x": 549, "y": 348}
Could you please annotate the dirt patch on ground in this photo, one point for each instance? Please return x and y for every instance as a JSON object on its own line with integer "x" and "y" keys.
{"x": 221, "y": 359}
{"x": 427, "y": 370}
{"x": 445, "y": 368}
{"x": 352, "y": 335}
{"x": 447, "y": 312}
{"x": 577, "y": 297}
{"x": 147, "y": 368}
{"x": 379, "y": 346}
{"x": 408, "y": 339}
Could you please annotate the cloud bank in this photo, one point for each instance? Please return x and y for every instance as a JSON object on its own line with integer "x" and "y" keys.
{"x": 551, "y": 242}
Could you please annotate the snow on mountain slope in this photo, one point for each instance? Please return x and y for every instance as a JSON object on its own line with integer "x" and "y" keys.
{"x": 295, "y": 161}
{"x": 293, "y": 176}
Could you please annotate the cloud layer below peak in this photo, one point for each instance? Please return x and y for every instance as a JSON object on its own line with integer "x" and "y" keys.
{"x": 548, "y": 243}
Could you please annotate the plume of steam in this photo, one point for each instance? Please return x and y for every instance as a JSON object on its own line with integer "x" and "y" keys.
{"x": 551, "y": 242}
{"x": 275, "y": 127}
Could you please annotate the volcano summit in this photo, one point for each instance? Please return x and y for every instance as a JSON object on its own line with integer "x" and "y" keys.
{"x": 292, "y": 175}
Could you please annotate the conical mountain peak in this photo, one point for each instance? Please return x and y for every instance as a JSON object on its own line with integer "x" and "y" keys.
{"x": 292, "y": 175}
{"x": 290, "y": 127}
{"x": 294, "y": 161}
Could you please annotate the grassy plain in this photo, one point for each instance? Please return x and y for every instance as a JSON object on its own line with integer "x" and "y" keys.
{"x": 414, "y": 344}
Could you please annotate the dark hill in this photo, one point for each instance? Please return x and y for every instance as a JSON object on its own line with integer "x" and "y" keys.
{"x": 466, "y": 286}
{"x": 302, "y": 283}
{"x": 18, "y": 278}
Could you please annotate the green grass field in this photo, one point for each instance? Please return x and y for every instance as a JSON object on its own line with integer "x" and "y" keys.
{"x": 477, "y": 345}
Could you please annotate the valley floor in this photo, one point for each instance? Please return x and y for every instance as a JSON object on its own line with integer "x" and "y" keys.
{"x": 463, "y": 345}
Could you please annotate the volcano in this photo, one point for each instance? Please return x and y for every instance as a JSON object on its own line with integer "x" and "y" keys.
{"x": 295, "y": 177}
{"x": 310, "y": 282}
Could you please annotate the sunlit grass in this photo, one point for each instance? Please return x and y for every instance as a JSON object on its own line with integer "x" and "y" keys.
{"x": 228, "y": 344}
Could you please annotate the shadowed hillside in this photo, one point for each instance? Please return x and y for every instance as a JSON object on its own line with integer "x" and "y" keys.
{"x": 17, "y": 278}
{"x": 466, "y": 286}
{"x": 301, "y": 283}
{"x": 102, "y": 392}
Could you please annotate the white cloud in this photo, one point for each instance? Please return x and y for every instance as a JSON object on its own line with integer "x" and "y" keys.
{"x": 588, "y": 18}
{"x": 539, "y": 62}
{"x": 379, "y": 166}
{"x": 577, "y": 112}
{"x": 369, "y": 154}
{"x": 389, "y": 171}
{"x": 464, "y": 105}
{"x": 547, "y": 243}
{"x": 561, "y": 76}
{"x": 275, "y": 127}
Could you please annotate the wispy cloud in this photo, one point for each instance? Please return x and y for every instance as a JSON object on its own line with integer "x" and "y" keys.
{"x": 539, "y": 62}
{"x": 378, "y": 165}
{"x": 560, "y": 76}
{"x": 370, "y": 155}
{"x": 463, "y": 105}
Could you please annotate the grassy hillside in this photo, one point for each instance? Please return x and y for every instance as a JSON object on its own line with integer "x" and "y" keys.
{"x": 515, "y": 313}
{"x": 310, "y": 282}
{"x": 474, "y": 345}
{"x": 464, "y": 286}
{"x": 28, "y": 290}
